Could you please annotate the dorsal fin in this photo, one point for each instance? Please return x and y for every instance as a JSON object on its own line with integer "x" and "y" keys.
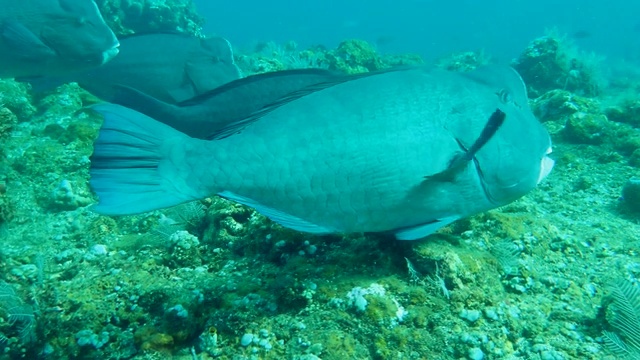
{"x": 242, "y": 123}
{"x": 150, "y": 32}
{"x": 339, "y": 79}
{"x": 253, "y": 78}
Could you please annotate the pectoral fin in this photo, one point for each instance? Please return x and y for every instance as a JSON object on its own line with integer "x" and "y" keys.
{"x": 460, "y": 159}
{"x": 420, "y": 231}
{"x": 284, "y": 219}
{"x": 25, "y": 43}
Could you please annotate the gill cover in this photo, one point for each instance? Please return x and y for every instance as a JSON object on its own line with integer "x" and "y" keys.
{"x": 509, "y": 165}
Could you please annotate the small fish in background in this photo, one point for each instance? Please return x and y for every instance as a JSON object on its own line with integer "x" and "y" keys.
{"x": 205, "y": 115}
{"x": 404, "y": 152}
{"x": 170, "y": 67}
{"x": 350, "y": 23}
{"x": 581, "y": 34}
{"x": 52, "y": 37}
{"x": 384, "y": 40}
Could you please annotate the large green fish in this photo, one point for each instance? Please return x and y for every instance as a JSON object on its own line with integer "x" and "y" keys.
{"x": 170, "y": 67}
{"x": 52, "y": 37}
{"x": 405, "y": 152}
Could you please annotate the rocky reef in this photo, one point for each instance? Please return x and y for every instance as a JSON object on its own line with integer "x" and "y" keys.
{"x": 214, "y": 279}
{"x": 552, "y": 62}
{"x": 350, "y": 57}
{"x": 143, "y": 16}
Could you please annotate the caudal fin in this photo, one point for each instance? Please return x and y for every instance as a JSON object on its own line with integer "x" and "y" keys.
{"x": 130, "y": 171}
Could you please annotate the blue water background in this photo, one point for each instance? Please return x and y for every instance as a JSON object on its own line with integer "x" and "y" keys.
{"x": 429, "y": 28}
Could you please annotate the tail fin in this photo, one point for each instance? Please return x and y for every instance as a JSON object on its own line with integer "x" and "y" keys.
{"x": 130, "y": 170}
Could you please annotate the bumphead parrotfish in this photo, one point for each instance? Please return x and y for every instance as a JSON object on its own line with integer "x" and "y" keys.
{"x": 52, "y": 37}
{"x": 404, "y": 152}
{"x": 170, "y": 67}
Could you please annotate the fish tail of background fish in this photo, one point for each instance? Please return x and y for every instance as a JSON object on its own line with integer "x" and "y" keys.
{"x": 139, "y": 164}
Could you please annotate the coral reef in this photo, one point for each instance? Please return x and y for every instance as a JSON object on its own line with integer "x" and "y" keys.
{"x": 350, "y": 57}
{"x": 141, "y": 16}
{"x": 551, "y": 62}
{"x": 628, "y": 112}
{"x": 353, "y": 57}
{"x": 214, "y": 279}
{"x": 464, "y": 61}
{"x": 14, "y": 101}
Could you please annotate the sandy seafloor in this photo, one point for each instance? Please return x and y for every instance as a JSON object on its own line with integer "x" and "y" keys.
{"x": 530, "y": 280}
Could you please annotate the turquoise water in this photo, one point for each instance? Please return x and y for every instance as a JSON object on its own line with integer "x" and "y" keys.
{"x": 553, "y": 275}
{"x": 431, "y": 28}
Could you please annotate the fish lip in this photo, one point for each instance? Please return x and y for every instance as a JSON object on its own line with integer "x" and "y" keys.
{"x": 109, "y": 54}
{"x": 104, "y": 57}
{"x": 546, "y": 165}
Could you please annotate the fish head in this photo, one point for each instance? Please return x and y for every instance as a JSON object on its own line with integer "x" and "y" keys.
{"x": 212, "y": 64}
{"x": 217, "y": 49}
{"x": 78, "y": 34}
{"x": 516, "y": 158}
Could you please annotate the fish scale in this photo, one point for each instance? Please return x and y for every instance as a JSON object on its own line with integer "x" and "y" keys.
{"x": 344, "y": 145}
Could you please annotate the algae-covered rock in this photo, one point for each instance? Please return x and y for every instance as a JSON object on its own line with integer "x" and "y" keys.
{"x": 551, "y": 63}
{"x": 66, "y": 196}
{"x": 139, "y": 16}
{"x": 7, "y": 209}
{"x": 541, "y": 65}
{"x": 634, "y": 159}
{"x": 354, "y": 56}
{"x": 557, "y": 104}
{"x": 585, "y": 128}
{"x": 631, "y": 195}
{"x": 7, "y": 120}
{"x": 15, "y": 97}
{"x": 625, "y": 139}
{"x": 258, "y": 64}
{"x": 270, "y": 56}
{"x": 350, "y": 57}
{"x": 463, "y": 61}
{"x": 627, "y": 112}
{"x": 184, "y": 249}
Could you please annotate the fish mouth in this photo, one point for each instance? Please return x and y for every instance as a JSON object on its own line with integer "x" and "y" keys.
{"x": 545, "y": 166}
{"x": 110, "y": 54}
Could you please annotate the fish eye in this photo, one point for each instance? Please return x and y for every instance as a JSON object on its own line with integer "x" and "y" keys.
{"x": 505, "y": 96}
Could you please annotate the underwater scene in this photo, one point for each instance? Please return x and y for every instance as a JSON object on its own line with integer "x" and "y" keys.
{"x": 171, "y": 189}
